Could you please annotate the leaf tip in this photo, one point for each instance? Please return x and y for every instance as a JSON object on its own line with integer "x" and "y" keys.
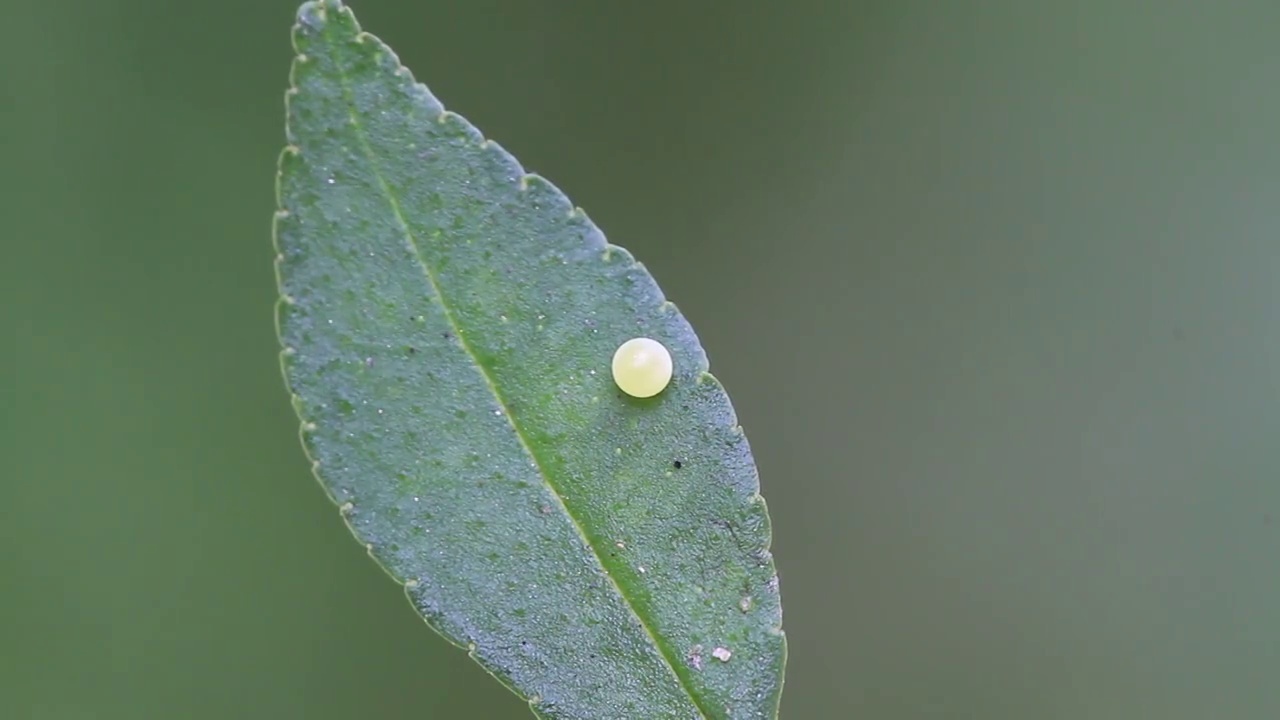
{"x": 314, "y": 18}
{"x": 313, "y": 14}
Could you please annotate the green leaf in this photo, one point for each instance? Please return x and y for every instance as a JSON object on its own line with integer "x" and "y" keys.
{"x": 448, "y": 323}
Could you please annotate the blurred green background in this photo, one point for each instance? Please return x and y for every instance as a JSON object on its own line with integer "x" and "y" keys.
{"x": 995, "y": 287}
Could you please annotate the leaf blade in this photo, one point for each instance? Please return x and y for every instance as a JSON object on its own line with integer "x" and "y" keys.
{"x": 405, "y": 312}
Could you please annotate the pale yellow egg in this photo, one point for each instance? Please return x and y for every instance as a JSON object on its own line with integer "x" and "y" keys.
{"x": 642, "y": 367}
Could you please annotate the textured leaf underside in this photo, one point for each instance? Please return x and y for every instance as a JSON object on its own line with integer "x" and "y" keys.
{"x": 447, "y": 323}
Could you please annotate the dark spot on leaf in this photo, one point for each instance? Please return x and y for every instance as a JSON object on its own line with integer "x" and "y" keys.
{"x": 446, "y": 335}
{"x": 413, "y": 350}
{"x": 677, "y": 464}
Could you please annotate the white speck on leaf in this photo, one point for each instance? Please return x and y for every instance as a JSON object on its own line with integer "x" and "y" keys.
{"x": 695, "y": 657}
{"x": 721, "y": 654}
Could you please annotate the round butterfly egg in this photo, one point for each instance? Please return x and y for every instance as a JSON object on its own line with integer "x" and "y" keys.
{"x": 642, "y": 367}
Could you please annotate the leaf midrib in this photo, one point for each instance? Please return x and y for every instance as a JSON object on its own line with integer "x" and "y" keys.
{"x": 412, "y": 243}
